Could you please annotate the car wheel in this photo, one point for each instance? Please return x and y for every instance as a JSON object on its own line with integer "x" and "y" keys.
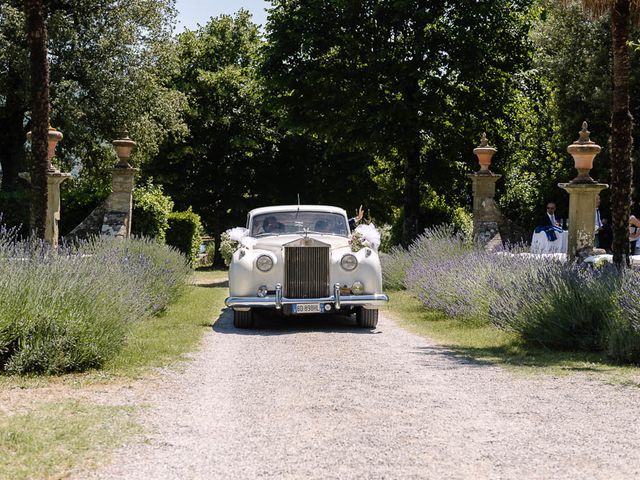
{"x": 242, "y": 319}
{"x": 366, "y": 318}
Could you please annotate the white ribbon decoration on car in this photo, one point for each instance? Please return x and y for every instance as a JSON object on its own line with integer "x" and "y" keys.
{"x": 370, "y": 233}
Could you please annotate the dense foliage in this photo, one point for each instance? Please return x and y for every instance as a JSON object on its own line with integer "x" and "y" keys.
{"x": 412, "y": 82}
{"x": 107, "y": 70}
{"x": 151, "y": 210}
{"x": 71, "y": 310}
{"x": 236, "y": 155}
{"x": 185, "y": 233}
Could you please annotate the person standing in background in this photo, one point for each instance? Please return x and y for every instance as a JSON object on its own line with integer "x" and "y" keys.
{"x": 603, "y": 234}
{"x": 549, "y": 220}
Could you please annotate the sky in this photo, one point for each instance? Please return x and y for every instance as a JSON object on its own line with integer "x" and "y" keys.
{"x": 194, "y": 12}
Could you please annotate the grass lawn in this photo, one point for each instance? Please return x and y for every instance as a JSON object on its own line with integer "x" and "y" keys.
{"x": 167, "y": 337}
{"x": 49, "y": 438}
{"x": 484, "y": 343}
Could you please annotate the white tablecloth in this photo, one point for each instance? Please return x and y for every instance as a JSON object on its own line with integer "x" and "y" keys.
{"x": 540, "y": 243}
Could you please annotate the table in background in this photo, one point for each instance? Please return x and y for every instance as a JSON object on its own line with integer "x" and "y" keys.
{"x": 541, "y": 244}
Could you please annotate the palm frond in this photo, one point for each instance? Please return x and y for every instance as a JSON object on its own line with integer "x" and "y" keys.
{"x": 598, "y": 8}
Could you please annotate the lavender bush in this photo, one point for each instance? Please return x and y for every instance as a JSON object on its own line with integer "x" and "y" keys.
{"x": 70, "y": 310}
{"x": 428, "y": 250}
{"x": 394, "y": 268}
{"x": 546, "y": 301}
{"x": 623, "y": 342}
{"x": 561, "y": 305}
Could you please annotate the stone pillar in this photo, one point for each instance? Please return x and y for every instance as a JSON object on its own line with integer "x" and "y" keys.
{"x": 117, "y": 219}
{"x": 582, "y": 196}
{"x": 582, "y": 214}
{"x": 54, "y": 179}
{"x": 487, "y": 217}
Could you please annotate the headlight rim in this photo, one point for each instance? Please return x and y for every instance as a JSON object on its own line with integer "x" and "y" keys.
{"x": 355, "y": 260}
{"x": 271, "y": 263}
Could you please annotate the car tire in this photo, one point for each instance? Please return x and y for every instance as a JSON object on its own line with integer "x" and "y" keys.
{"x": 367, "y": 318}
{"x": 242, "y": 319}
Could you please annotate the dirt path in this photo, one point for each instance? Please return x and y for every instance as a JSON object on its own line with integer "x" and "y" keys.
{"x": 326, "y": 400}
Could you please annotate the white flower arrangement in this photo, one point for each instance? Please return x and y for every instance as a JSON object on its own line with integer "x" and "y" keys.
{"x": 365, "y": 235}
{"x": 231, "y": 240}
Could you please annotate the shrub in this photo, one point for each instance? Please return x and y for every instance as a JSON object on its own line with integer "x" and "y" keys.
{"x": 427, "y": 251}
{"x": 211, "y": 252}
{"x": 562, "y": 305}
{"x": 623, "y": 342}
{"x": 185, "y": 233}
{"x": 394, "y": 267}
{"x": 546, "y": 301}
{"x": 462, "y": 221}
{"x": 386, "y": 238}
{"x": 151, "y": 209}
{"x": 70, "y": 310}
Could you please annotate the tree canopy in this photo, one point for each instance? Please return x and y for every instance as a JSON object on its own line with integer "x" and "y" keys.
{"x": 107, "y": 61}
{"x": 409, "y": 81}
{"x": 377, "y": 102}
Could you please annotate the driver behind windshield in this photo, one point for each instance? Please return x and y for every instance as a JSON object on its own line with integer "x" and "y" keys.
{"x": 271, "y": 224}
{"x": 322, "y": 226}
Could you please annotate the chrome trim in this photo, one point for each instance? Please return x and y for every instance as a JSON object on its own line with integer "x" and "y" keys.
{"x": 306, "y": 268}
{"x": 336, "y": 295}
{"x": 270, "y": 260}
{"x": 278, "y": 304}
{"x": 276, "y": 301}
{"x": 345, "y": 256}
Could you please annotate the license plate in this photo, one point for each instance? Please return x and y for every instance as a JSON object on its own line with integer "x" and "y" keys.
{"x": 308, "y": 308}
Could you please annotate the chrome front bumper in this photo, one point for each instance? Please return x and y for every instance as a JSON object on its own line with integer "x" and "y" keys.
{"x": 277, "y": 301}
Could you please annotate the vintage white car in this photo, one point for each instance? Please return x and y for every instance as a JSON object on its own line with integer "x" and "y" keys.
{"x": 299, "y": 259}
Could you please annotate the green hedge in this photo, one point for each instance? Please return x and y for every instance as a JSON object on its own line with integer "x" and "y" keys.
{"x": 185, "y": 233}
{"x": 151, "y": 210}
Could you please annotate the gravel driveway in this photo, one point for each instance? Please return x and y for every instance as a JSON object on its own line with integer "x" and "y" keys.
{"x": 318, "y": 399}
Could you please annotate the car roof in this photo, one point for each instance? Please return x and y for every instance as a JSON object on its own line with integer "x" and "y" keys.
{"x": 293, "y": 208}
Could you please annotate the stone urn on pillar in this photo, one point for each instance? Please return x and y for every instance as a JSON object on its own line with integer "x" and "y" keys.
{"x": 117, "y": 219}
{"x": 487, "y": 217}
{"x": 485, "y": 153}
{"x": 583, "y": 191}
{"x": 53, "y": 137}
{"x": 54, "y": 179}
{"x": 124, "y": 148}
{"x": 583, "y": 151}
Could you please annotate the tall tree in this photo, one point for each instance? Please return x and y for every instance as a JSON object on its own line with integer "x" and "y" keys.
{"x": 235, "y": 157}
{"x": 108, "y": 61}
{"x": 405, "y": 80}
{"x": 622, "y": 13}
{"x": 37, "y": 33}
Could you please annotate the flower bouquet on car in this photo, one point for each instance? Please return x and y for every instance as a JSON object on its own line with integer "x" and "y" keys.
{"x": 365, "y": 236}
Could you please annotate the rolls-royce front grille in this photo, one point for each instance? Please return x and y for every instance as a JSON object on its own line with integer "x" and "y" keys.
{"x": 306, "y": 272}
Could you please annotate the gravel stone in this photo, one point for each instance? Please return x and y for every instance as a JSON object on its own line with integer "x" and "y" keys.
{"x": 318, "y": 398}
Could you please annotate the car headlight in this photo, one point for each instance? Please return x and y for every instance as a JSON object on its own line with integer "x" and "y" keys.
{"x": 264, "y": 263}
{"x": 357, "y": 288}
{"x": 349, "y": 262}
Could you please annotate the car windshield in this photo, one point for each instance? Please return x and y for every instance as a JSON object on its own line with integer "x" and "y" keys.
{"x": 278, "y": 223}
